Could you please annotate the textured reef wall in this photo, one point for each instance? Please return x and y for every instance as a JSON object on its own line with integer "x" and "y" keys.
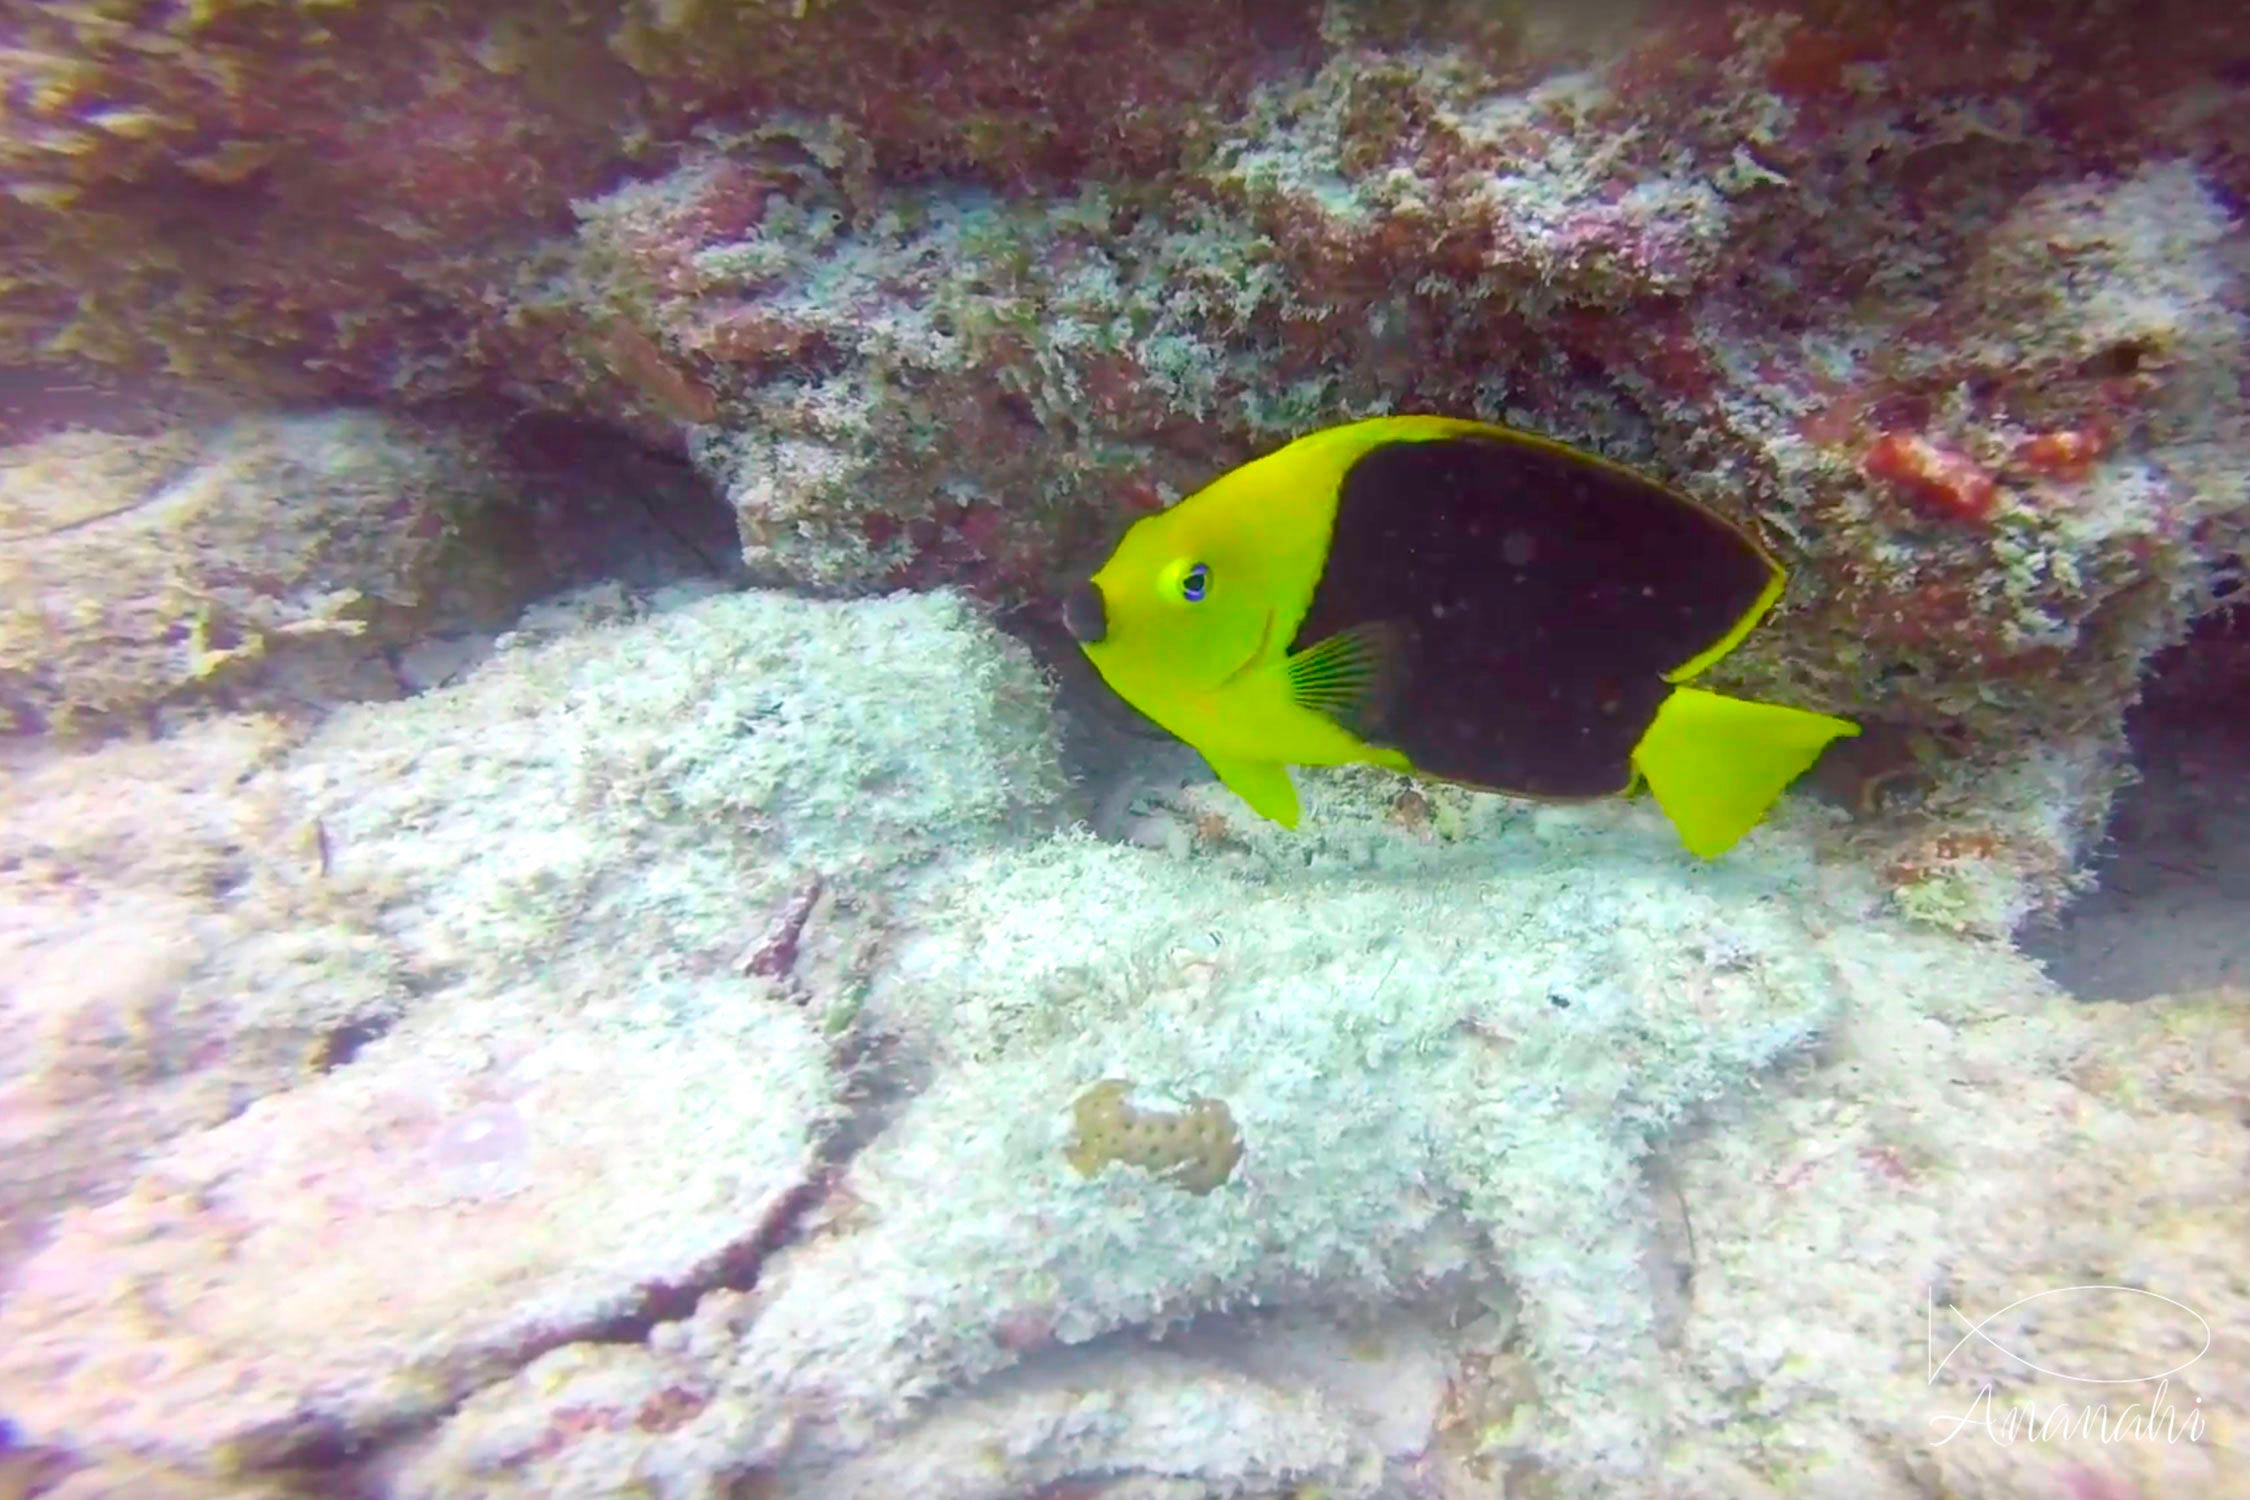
{"x": 1948, "y": 300}
{"x": 333, "y": 198}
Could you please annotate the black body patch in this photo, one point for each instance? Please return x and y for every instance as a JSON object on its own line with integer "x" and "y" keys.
{"x": 1542, "y": 598}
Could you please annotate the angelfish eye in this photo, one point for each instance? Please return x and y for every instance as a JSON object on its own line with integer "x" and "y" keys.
{"x": 1194, "y": 583}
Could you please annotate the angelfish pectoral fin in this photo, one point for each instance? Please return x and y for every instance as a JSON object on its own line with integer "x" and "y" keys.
{"x": 1264, "y": 784}
{"x": 1717, "y": 764}
{"x": 1352, "y": 678}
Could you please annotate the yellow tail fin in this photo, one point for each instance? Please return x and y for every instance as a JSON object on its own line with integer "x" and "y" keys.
{"x": 1716, "y": 764}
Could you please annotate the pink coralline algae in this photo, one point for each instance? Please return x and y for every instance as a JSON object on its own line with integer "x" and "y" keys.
{"x": 1937, "y": 482}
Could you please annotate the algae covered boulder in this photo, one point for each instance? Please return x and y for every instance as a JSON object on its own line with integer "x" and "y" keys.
{"x": 561, "y": 1084}
{"x": 272, "y": 560}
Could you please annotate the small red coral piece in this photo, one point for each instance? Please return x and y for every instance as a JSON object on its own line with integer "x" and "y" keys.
{"x": 1141, "y": 494}
{"x": 1937, "y": 481}
{"x": 761, "y": 342}
{"x": 2061, "y": 455}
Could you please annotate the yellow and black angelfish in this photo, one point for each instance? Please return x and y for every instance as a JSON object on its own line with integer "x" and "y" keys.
{"x": 1457, "y": 600}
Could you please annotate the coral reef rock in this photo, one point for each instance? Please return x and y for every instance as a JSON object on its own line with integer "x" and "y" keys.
{"x": 1948, "y": 300}
{"x": 271, "y": 560}
{"x": 2066, "y": 1179}
{"x": 727, "y": 1092}
{"x": 490, "y": 936}
{"x": 168, "y": 953}
{"x": 1955, "y": 323}
{"x": 501, "y": 1177}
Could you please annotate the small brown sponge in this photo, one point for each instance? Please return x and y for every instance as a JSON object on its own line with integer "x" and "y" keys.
{"x": 1193, "y": 1148}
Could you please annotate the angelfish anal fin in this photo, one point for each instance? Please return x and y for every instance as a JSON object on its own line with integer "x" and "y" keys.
{"x": 1264, "y": 784}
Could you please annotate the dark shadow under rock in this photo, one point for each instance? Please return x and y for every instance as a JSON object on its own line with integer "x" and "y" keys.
{"x": 2167, "y": 913}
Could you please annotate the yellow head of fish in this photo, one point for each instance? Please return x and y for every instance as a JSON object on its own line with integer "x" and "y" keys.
{"x": 1191, "y": 617}
{"x": 1191, "y": 598}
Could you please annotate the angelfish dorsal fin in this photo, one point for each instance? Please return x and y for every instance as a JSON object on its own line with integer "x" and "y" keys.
{"x": 1352, "y": 677}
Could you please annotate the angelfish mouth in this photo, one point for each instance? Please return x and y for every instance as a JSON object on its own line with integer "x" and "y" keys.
{"x": 1085, "y": 615}
{"x": 1257, "y": 652}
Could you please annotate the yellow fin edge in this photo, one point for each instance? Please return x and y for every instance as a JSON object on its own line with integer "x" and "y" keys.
{"x": 1264, "y": 784}
{"x": 1717, "y": 765}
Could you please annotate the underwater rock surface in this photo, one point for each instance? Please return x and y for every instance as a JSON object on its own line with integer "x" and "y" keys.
{"x": 365, "y": 1250}
{"x": 543, "y": 886}
{"x": 1999, "y": 1161}
{"x": 272, "y": 559}
{"x": 724, "y": 1116}
{"x": 167, "y": 954}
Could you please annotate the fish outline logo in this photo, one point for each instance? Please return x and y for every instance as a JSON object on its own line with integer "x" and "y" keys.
{"x": 1936, "y": 1364}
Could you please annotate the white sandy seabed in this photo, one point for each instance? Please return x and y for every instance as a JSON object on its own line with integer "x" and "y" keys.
{"x": 645, "y": 1067}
